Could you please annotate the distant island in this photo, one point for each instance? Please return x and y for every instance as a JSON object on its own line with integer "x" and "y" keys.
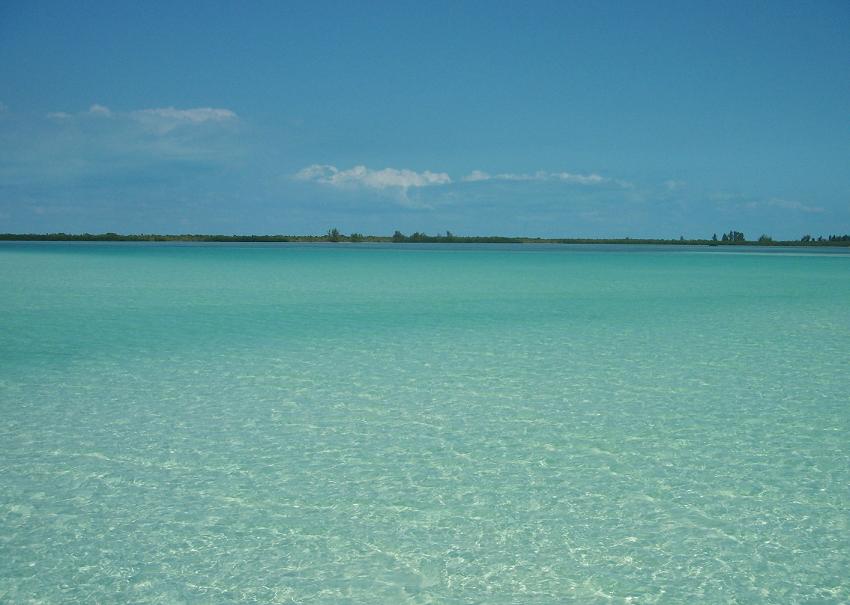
{"x": 732, "y": 238}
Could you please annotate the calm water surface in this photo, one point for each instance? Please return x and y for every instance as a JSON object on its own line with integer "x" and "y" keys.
{"x": 436, "y": 424}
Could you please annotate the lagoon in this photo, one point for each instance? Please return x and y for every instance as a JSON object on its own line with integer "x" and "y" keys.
{"x": 369, "y": 423}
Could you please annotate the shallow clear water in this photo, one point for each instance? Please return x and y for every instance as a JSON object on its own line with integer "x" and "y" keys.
{"x": 435, "y": 424}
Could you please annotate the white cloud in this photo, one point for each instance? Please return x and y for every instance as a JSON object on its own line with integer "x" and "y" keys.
{"x": 103, "y": 141}
{"x": 540, "y": 175}
{"x": 316, "y": 172}
{"x": 100, "y": 111}
{"x": 195, "y": 116}
{"x": 387, "y": 178}
{"x": 161, "y": 120}
{"x": 477, "y": 175}
{"x": 96, "y": 111}
{"x": 582, "y": 179}
{"x": 165, "y": 119}
{"x": 404, "y": 179}
{"x": 784, "y": 205}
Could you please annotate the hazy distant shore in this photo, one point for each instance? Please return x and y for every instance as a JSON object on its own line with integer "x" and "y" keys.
{"x": 336, "y": 237}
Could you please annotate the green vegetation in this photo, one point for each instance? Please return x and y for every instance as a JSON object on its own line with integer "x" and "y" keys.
{"x": 732, "y": 238}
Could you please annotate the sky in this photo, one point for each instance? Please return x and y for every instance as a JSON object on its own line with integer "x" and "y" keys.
{"x": 551, "y": 119}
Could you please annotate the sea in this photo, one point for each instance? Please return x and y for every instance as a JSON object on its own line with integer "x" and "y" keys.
{"x": 413, "y": 424}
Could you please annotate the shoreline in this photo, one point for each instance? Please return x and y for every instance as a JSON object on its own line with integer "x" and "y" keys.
{"x": 416, "y": 238}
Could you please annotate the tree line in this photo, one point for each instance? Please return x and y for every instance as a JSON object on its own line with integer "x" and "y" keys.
{"x": 334, "y": 235}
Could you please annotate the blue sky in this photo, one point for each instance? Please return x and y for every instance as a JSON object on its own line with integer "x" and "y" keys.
{"x": 551, "y": 119}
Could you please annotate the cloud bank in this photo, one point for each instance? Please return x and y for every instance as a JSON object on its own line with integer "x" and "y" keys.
{"x": 197, "y": 115}
{"x": 540, "y": 175}
{"x": 160, "y": 120}
{"x": 784, "y": 205}
{"x": 165, "y": 119}
{"x": 102, "y": 149}
{"x": 387, "y": 178}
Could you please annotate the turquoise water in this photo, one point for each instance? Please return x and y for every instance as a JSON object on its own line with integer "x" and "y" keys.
{"x": 436, "y": 424}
